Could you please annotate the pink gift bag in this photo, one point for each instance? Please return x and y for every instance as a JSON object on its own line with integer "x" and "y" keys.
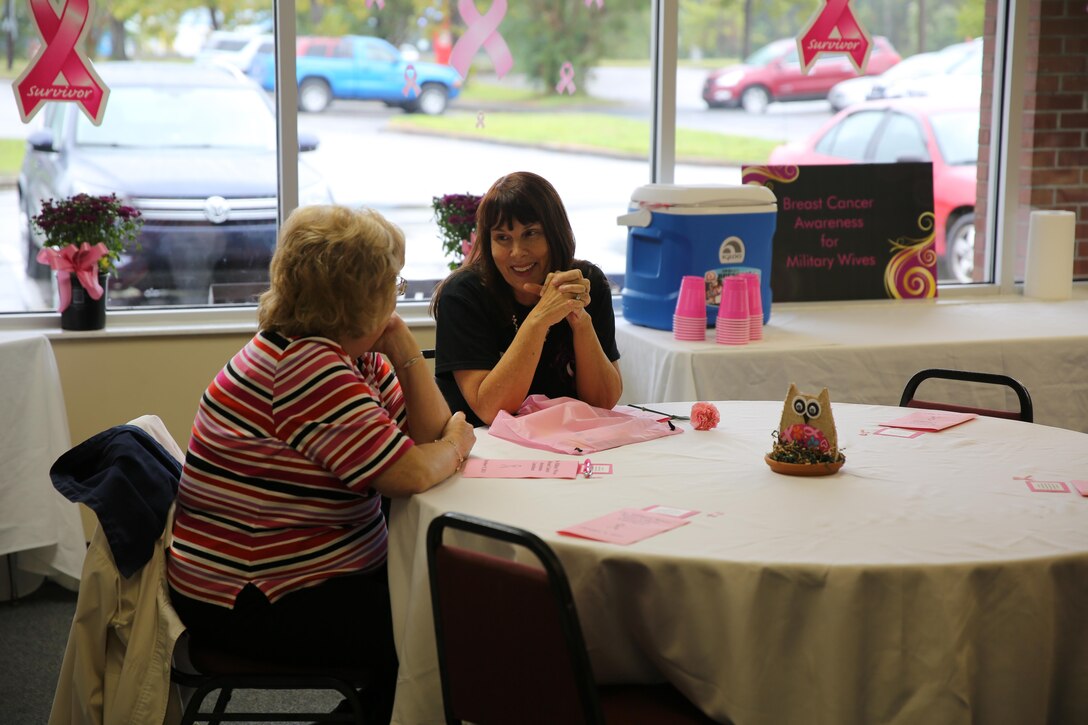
{"x": 566, "y": 425}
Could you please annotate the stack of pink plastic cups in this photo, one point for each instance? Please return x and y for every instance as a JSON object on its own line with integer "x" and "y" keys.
{"x": 689, "y": 320}
{"x": 733, "y": 320}
{"x": 755, "y": 307}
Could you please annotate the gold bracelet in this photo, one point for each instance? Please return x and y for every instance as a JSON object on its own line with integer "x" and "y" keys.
{"x": 408, "y": 363}
{"x": 457, "y": 452}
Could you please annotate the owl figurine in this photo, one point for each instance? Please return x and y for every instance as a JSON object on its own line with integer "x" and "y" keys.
{"x": 807, "y": 420}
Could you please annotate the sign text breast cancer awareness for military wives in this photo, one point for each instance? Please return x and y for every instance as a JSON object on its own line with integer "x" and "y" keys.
{"x": 852, "y": 39}
{"x": 482, "y": 32}
{"x": 61, "y": 55}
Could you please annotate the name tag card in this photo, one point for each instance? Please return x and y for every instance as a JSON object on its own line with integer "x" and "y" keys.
{"x": 930, "y": 420}
{"x": 625, "y": 526}
{"x": 514, "y": 468}
{"x": 850, "y": 232}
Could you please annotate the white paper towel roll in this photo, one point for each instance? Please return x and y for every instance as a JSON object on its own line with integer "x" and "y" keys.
{"x": 1049, "y": 271}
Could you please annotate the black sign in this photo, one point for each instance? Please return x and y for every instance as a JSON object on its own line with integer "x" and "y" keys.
{"x": 855, "y": 231}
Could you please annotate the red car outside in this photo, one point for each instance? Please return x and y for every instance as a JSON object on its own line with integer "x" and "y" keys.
{"x": 773, "y": 73}
{"x": 942, "y": 131}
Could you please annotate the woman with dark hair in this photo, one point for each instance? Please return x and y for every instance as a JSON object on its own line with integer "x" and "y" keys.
{"x": 522, "y": 316}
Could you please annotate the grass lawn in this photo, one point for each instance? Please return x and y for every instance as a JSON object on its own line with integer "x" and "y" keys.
{"x": 588, "y": 131}
{"x": 12, "y": 151}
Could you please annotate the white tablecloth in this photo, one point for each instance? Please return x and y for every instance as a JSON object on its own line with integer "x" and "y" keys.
{"x": 40, "y": 530}
{"x": 923, "y": 583}
{"x": 866, "y": 352}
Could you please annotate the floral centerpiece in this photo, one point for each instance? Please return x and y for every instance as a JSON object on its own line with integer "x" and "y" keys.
{"x": 85, "y": 236}
{"x": 456, "y": 217}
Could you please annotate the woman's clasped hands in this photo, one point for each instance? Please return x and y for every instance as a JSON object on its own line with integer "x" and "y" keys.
{"x": 563, "y": 294}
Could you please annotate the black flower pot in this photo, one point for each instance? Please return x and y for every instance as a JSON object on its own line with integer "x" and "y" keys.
{"x": 84, "y": 312}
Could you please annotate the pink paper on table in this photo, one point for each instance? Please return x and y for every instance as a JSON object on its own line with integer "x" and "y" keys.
{"x": 515, "y": 468}
{"x": 624, "y": 527}
{"x": 930, "y": 420}
{"x": 1047, "y": 486}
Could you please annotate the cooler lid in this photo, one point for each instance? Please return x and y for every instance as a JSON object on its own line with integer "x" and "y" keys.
{"x": 698, "y": 195}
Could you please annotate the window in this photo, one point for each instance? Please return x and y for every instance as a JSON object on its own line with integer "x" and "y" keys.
{"x": 397, "y": 126}
{"x": 383, "y": 143}
{"x": 889, "y": 112}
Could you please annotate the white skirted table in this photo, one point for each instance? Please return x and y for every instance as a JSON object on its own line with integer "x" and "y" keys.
{"x": 41, "y": 533}
{"x": 924, "y": 582}
{"x": 866, "y": 351}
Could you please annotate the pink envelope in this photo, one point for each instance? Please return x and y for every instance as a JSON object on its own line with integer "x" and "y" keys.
{"x": 566, "y": 425}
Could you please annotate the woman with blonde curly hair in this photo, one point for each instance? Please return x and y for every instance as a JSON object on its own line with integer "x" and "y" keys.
{"x": 279, "y": 539}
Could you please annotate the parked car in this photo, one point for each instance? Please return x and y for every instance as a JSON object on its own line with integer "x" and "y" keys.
{"x": 362, "y": 68}
{"x": 921, "y": 65}
{"x": 910, "y": 129}
{"x": 961, "y": 79}
{"x": 234, "y": 47}
{"x": 194, "y": 149}
{"x": 773, "y": 73}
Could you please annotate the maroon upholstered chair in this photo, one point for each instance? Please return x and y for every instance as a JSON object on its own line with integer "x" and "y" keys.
{"x": 510, "y": 646}
{"x": 1026, "y": 412}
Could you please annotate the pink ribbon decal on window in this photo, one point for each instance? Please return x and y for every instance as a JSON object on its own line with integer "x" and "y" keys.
{"x": 479, "y": 119}
{"x": 61, "y": 34}
{"x": 410, "y": 85}
{"x": 379, "y": 3}
{"x": 852, "y": 40}
{"x": 82, "y": 261}
{"x": 600, "y": 3}
{"x": 483, "y": 33}
{"x": 566, "y": 79}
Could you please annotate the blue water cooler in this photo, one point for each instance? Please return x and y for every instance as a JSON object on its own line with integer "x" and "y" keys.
{"x": 711, "y": 230}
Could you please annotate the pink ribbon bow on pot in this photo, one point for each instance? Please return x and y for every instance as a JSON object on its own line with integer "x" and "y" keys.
{"x": 466, "y": 244}
{"x": 81, "y": 261}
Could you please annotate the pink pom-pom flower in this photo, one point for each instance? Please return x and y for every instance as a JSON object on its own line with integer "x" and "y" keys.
{"x": 704, "y": 416}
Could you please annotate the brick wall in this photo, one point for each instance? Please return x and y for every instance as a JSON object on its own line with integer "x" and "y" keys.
{"x": 1053, "y": 153}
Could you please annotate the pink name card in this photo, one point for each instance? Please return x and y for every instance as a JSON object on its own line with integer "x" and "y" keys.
{"x": 625, "y": 526}
{"x": 514, "y": 468}
{"x": 930, "y": 420}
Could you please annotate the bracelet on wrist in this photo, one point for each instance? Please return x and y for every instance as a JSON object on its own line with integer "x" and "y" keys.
{"x": 460, "y": 458}
{"x": 457, "y": 452}
{"x": 408, "y": 363}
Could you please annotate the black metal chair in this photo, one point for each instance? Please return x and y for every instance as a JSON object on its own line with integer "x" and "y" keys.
{"x": 1026, "y": 412}
{"x": 510, "y": 646}
{"x": 209, "y": 669}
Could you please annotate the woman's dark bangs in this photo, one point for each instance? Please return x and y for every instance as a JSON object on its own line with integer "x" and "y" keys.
{"x": 512, "y": 208}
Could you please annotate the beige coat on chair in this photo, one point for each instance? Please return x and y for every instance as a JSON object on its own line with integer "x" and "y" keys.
{"x": 116, "y": 668}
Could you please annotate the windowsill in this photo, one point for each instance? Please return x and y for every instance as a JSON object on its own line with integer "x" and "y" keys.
{"x": 226, "y": 320}
{"x": 230, "y": 320}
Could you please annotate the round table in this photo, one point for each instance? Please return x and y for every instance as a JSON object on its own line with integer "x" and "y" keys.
{"x": 924, "y": 582}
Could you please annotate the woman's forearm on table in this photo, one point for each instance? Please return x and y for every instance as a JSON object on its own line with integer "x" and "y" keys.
{"x": 427, "y": 409}
{"x": 597, "y": 378}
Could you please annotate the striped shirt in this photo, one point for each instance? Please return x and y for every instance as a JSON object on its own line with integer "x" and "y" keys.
{"x": 275, "y": 490}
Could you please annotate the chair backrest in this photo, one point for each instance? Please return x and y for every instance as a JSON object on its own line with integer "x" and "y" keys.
{"x": 510, "y": 647}
{"x": 1026, "y": 412}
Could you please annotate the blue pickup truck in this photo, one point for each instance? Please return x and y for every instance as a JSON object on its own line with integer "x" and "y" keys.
{"x": 362, "y": 68}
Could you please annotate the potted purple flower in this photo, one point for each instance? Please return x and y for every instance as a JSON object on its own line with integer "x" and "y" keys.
{"x": 456, "y": 217}
{"x": 84, "y": 238}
